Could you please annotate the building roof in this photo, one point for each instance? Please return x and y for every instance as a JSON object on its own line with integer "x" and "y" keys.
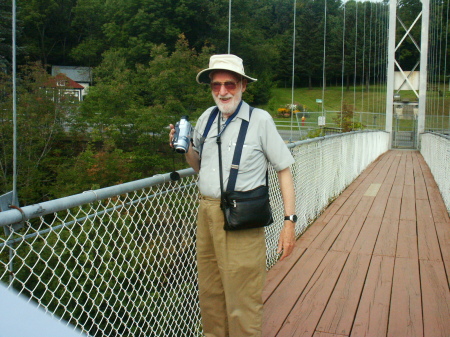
{"x": 61, "y": 80}
{"x": 78, "y": 74}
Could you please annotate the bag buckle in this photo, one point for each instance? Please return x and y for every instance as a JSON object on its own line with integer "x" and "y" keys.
{"x": 234, "y": 204}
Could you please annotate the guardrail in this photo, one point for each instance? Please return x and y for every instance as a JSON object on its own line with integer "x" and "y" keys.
{"x": 435, "y": 149}
{"x": 120, "y": 261}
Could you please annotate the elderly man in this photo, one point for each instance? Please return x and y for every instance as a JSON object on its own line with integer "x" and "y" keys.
{"x": 232, "y": 264}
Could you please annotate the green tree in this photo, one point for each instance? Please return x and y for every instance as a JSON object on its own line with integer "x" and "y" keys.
{"x": 130, "y": 108}
{"x": 5, "y": 36}
{"x": 87, "y": 25}
{"x": 47, "y": 35}
{"x": 42, "y": 113}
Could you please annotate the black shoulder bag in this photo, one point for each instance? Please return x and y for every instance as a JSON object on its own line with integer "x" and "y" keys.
{"x": 243, "y": 209}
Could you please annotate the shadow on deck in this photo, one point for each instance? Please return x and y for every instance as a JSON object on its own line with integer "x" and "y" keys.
{"x": 376, "y": 262}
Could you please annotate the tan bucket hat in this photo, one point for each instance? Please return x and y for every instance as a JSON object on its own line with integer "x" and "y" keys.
{"x": 223, "y": 62}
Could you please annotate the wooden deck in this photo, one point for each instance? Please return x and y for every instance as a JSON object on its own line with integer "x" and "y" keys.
{"x": 376, "y": 262}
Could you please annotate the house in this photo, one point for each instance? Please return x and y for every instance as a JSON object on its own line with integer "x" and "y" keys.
{"x": 65, "y": 85}
{"x": 81, "y": 75}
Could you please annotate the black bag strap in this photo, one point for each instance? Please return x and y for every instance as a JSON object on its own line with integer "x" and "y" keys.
{"x": 219, "y": 144}
{"x": 238, "y": 153}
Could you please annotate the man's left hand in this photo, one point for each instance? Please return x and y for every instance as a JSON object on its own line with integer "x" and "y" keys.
{"x": 287, "y": 239}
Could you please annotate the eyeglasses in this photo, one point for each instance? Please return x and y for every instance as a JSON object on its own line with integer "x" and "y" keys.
{"x": 229, "y": 85}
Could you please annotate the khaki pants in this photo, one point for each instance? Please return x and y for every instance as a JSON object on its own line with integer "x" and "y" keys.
{"x": 231, "y": 271}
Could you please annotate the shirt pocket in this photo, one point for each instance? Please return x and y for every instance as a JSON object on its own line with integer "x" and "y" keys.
{"x": 251, "y": 158}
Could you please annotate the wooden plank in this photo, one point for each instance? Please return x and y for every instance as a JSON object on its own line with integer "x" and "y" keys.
{"x": 352, "y": 201}
{"x": 367, "y": 236}
{"x": 362, "y": 177}
{"x": 400, "y": 174}
{"x": 409, "y": 170}
{"x": 427, "y": 175}
{"x": 305, "y": 315}
{"x": 350, "y": 204}
{"x": 426, "y": 232}
{"x": 377, "y": 166}
{"x": 418, "y": 174}
{"x": 437, "y": 204}
{"x": 372, "y": 191}
{"x": 328, "y": 235}
{"x": 340, "y": 311}
{"x": 406, "y": 306}
{"x": 435, "y": 298}
{"x": 347, "y": 237}
{"x": 340, "y": 201}
{"x": 326, "y": 334}
{"x": 393, "y": 207}
{"x": 390, "y": 177}
{"x": 373, "y": 311}
{"x": 443, "y": 233}
{"x": 407, "y": 240}
{"x": 387, "y": 238}
{"x": 419, "y": 180}
{"x": 279, "y": 305}
{"x": 331, "y": 210}
{"x": 383, "y": 174}
{"x": 310, "y": 234}
{"x": 420, "y": 191}
{"x": 379, "y": 204}
{"x": 408, "y": 206}
{"x": 397, "y": 191}
{"x": 349, "y": 233}
{"x": 279, "y": 271}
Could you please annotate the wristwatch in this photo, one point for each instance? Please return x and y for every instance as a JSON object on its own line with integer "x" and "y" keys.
{"x": 292, "y": 218}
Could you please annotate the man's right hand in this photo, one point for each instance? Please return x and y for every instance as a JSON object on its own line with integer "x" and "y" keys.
{"x": 171, "y": 133}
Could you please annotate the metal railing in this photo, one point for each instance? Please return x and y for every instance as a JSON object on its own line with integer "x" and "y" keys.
{"x": 435, "y": 149}
{"x": 120, "y": 261}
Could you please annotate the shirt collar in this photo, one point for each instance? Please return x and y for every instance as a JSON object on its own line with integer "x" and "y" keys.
{"x": 244, "y": 111}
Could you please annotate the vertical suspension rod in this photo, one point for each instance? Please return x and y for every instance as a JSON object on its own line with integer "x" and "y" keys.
{"x": 390, "y": 68}
{"x": 293, "y": 66}
{"x": 423, "y": 67}
{"x": 229, "y": 27}
{"x": 14, "y": 74}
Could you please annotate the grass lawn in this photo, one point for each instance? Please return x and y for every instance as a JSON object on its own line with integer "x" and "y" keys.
{"x": 369, "y": 106}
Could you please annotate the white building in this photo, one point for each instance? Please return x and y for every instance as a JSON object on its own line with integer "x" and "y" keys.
{"x": 81, "y": 75}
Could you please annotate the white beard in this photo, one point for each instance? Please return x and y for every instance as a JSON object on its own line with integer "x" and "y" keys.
{"x": 230, "y": 106}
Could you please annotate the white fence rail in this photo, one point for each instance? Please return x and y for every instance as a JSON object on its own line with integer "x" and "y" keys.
{"x": 120, "y": 261}
{"x": 435, "y": 149}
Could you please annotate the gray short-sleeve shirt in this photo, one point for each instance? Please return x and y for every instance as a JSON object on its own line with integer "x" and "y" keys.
{"x": 262, "y": 144}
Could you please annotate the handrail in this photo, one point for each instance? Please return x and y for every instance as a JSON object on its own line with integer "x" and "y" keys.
{"x": 28, "y": 212}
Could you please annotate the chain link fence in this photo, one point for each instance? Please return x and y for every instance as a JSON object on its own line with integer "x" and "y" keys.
{"x": 120, "y": 261}
{"x": 435, "y": 149}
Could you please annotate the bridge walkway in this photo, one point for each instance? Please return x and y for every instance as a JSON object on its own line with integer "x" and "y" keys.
{"x": 375, "y": 263}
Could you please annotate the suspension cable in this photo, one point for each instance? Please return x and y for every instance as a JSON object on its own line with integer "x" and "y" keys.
{"x": 444, "y": 90}
{"x": 343, "y": 64}
{"x": 14, "y": 75}
{"x": 293, "y": 67}
{"x": 363, "y": 74}
{"x": 324, "y": 57}
{"x": 356, "y": 57}
{"x": 369, "y": 66}
{"x": 229, "y": 26}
